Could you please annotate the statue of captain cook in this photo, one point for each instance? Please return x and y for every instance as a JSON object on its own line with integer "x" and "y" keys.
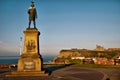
{"x": 32, "y": 14}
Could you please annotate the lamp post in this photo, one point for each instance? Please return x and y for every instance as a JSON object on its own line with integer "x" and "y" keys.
{"x": 20, "y": 46}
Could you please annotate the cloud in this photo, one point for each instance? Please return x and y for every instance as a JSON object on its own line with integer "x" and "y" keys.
{"x": 1, "y": 42}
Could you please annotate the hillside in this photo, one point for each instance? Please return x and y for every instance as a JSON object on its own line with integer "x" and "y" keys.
{"x": 66, "y": 55}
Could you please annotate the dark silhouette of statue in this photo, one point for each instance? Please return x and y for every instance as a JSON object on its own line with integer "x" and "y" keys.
{"x": 32, "y": 14}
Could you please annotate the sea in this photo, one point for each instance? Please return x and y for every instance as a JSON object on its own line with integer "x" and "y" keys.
{"x": 14, "y": 59}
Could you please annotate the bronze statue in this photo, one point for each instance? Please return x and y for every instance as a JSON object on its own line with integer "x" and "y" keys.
{"x": 32, "y": 14}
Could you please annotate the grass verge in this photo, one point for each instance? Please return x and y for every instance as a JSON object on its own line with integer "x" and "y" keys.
{"x": 96, "y": 66}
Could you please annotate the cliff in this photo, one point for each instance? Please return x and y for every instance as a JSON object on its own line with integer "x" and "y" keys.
{"x": 65, "y": 56}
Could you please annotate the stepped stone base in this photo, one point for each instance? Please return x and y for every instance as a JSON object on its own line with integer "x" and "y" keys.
{"x": 26, "y": 73}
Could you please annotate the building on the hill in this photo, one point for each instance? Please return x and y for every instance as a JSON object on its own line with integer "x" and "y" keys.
{"x": 77, "y": 57}
{"x": 113, "y": 49}
{"x": 99, "y": 48}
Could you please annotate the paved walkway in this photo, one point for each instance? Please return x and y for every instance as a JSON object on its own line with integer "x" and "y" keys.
{"x": 73, "y": 73}
{"x": 76, "y": 73}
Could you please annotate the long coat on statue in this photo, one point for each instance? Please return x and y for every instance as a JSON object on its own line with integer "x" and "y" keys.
{"x": 32, "y": 13}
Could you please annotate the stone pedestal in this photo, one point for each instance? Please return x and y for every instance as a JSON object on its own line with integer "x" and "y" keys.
{"x": 30, "y": 62}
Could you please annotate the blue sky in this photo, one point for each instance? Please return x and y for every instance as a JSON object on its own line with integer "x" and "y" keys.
{"x": 64, "y": 24}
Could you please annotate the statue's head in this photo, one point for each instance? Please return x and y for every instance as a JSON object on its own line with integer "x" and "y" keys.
{"x": 32, "y": 5}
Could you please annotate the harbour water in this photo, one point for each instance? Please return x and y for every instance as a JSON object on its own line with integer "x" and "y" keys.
{"x": 14, "y": 59}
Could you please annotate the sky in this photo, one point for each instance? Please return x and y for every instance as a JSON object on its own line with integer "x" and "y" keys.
{"x": 63, "y": 24}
